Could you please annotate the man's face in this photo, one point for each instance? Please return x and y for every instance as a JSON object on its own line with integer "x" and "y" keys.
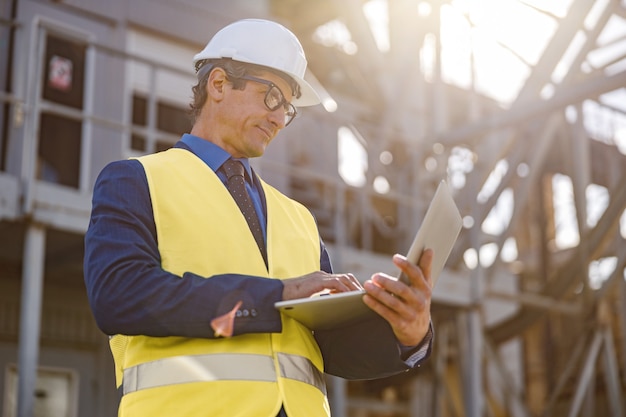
{"x": 247, "y": 125}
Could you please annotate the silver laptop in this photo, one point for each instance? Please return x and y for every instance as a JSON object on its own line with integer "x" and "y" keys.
{"x": 439, "y": 230}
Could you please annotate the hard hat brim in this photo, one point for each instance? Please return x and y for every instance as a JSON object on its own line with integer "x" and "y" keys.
{"x": 308, "y": 97}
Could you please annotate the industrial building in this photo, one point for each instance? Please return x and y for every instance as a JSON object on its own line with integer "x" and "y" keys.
{"x": 519, "y": 104}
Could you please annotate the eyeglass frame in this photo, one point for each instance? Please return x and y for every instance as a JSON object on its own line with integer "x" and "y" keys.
{"x": 286, "y": 105}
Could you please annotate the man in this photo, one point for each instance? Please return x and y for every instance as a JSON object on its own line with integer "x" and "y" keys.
{"x": 175, "y": 274}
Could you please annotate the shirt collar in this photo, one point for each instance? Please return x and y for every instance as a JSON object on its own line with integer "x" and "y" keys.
{"x": 211, "y": 154}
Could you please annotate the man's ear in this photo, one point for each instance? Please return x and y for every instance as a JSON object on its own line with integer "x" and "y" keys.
{"x": 216, "y": 84}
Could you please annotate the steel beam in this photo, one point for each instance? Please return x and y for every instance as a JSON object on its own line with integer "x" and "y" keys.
{"x": 610, "y": 367}
{"x": 562, "y": 277}
{"x": 554, "y": 51}
{"x": 575, "y": 93}
{"x": 586, "y": 375}
{"x": 512, "y": 393}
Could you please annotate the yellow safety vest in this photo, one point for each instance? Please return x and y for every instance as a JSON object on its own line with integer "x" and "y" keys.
{"x": 200, "y": 229}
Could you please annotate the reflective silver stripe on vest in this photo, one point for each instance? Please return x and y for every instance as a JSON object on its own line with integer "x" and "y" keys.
{"x": 226, "y": 366}
{"x": 198, "y": 368}
{"x": 301, "y": 369}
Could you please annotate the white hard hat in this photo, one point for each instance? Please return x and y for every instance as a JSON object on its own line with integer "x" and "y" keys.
{"x": 266, "y": 43}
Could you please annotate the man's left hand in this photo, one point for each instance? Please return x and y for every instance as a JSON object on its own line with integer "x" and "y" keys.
{"x": 405, "y": 307}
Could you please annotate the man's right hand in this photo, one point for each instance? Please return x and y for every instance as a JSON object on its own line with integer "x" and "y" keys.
{"x": 307, "y": 285}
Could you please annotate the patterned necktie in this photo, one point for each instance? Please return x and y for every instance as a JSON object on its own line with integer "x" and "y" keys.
{"x": 237, "y": 187}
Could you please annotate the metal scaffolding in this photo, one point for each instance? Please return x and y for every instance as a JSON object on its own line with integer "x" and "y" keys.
{"x": 395, "y": 103}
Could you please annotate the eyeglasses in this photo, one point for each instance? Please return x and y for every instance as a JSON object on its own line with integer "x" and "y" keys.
{"x": 274, "y": 98}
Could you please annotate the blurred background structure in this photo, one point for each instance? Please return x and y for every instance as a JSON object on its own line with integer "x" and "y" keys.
{"x": 519, "y": 104}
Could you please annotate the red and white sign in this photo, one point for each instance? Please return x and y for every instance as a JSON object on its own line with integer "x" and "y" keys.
{"x": 60, "y": 73}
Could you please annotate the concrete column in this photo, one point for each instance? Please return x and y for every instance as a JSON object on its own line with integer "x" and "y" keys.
{"x": 30, "y": 318}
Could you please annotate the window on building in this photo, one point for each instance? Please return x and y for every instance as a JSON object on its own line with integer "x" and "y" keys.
{"x": 171, "y": 122}
{"x": 56, "y": 392}
{"x": 59, "y": 150}
{"x": 140, "y": 118}
{"x": 59, "y": 135}
{"x": 160, "y": 83}
{"x": 6, "y": 34}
